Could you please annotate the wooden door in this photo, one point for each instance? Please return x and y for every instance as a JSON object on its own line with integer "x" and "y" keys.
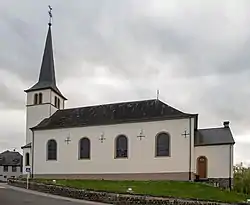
{"x": 202, "y": 167}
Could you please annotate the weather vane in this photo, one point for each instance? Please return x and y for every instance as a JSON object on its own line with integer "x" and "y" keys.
{"x": 50, "y": 15}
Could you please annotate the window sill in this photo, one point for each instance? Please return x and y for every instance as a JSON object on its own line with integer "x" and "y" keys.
{"x": 121, "y": 158}
{"x": 163, "y": 156}
{"x": 84, "y": 159}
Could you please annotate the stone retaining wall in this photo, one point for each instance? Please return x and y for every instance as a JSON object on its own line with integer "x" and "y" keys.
{"x": 111, "y": 198}
{"x": 221, "y": 182}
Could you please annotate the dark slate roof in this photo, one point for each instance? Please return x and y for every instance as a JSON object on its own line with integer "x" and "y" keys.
{"x": 11, "y": 158}
{"x": 47, "y": 77}
{"x": 26, "y": 146}
{"x": 136, "y": 111}
{"x": 214, "y": 136}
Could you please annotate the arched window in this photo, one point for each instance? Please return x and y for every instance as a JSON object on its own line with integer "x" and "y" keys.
{"x": 162, "y": 144}
{"x": 36, "y": 99}
{"x": 84, "y": 148}
{"x": 27, "y": 159}
{"x": 121, "y": 147}
{"x": 55, "y": 101}
{"x": 51, "y": 150}
{"x": 40, "y": 98}
{"x": 58, "y": 103}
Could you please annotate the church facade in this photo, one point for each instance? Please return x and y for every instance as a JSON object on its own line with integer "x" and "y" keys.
{"x": 139, "y": 140}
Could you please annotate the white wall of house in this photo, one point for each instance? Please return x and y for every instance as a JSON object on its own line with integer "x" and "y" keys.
{"x": 218, "y": 160}
{"x": 5, "y": 175}
{"x": 141, "y": 153}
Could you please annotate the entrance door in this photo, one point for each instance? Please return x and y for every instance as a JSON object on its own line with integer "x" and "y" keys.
{"x": 202, "y": 167}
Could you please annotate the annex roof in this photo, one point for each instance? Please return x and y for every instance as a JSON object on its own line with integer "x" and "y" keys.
{"x": 214, "y": 136}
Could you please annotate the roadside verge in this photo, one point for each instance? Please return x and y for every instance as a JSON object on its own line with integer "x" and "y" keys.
{"x": 105, "y": 197}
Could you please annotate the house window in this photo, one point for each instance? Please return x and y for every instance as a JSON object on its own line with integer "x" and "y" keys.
{"x": 40, "y": 98}
{"x": 36, "y": 99}
{"x": 13, "y": 168}
{"x": 121, "y": 147}
{"x": 162, "y": 144}
{"x": 27, "y": 159}
{"x": 5, "y": 168}
{"x": 51, "y": 150}
{"x": 84, "y": 148}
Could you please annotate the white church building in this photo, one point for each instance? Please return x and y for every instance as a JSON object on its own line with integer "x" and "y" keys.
{"x": 139, "y": 140}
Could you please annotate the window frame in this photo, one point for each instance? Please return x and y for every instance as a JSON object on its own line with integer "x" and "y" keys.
{"x": 80, "y": 157}
{"x": 116, "y": 147}
{"x": 14, "y": 168}
{"x": 55, "y": 101}
{"x": 47, "y": 150}
{"x": 156, "y": 145}
{"x": 35, "y": 99}
{"x": 40, "y": 98}
{"x": 27, "y": 159}
{"x": 4, "y": 168}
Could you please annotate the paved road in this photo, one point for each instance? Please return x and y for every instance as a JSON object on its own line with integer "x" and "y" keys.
{"x": 17, "y": 196}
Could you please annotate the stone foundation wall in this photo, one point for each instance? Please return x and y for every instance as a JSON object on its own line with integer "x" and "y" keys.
{"x": 221, "y": 182}
{"x": 178, "y": 176}
{"x": 105, "y": 197}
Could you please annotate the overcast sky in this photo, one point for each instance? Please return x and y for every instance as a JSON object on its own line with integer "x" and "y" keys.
{"x": 196, "y": 52}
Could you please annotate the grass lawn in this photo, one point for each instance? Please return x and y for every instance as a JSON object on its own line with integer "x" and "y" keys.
{"x": 156, "y": 188}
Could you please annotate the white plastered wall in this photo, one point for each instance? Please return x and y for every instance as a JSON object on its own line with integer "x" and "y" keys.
{"x": 218, "y": 160}
{"x": 141, "y": 153}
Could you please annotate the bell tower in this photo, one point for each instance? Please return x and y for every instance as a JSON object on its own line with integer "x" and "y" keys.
{"x": 43, "y": 98}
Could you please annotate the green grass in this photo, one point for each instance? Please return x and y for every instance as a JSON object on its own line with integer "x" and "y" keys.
{"x": 190, "y": 190}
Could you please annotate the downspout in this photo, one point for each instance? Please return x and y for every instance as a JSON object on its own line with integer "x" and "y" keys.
{"x": 32, "y": 148}
{"x": 230, "y": 165}
{"x": 190, "y": 149}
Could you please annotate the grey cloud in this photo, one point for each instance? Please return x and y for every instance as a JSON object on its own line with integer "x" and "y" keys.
{"x": 196, "y": 54}
{"x": 9, "y": 99}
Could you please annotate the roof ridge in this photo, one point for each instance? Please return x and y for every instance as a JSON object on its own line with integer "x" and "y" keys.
{"x": 113, "y": 103}
{"x": 209, "y": 128}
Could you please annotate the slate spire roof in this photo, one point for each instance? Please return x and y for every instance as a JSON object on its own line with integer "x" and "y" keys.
{"x": 47, "y": 77}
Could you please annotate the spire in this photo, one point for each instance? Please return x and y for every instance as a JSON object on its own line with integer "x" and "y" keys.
{"x": 47, "y": 77}
{"x": 47, "y": 72}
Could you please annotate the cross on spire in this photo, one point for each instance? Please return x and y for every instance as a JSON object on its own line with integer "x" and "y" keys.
{"x": 50, "y": 15}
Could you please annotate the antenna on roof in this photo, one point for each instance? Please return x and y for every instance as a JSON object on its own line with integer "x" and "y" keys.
{"x": 157, "y": 94}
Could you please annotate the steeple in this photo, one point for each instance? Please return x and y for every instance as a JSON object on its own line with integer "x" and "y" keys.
{"x": 47, "y": 77}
